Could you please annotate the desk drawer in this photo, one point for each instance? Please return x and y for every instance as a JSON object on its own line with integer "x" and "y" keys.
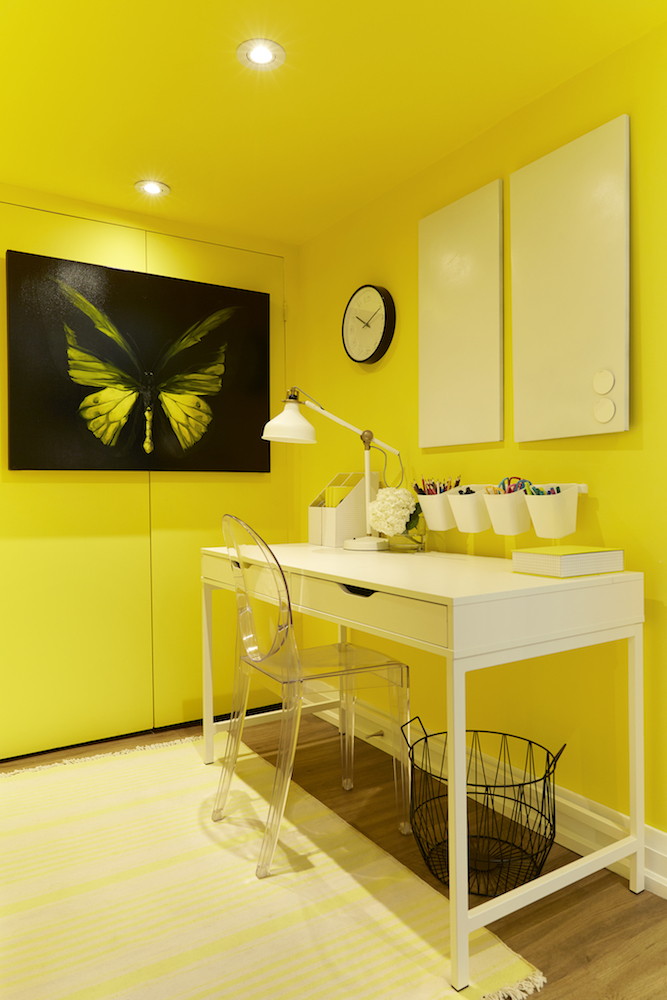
{"x": 392, "y": 613}
{"x": 217, "y": 570}
{"x": 259, "y": 577}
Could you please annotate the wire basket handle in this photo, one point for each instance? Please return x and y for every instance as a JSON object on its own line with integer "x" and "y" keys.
{"x": 552, "y": 766}
{"x": 405, "y": 729}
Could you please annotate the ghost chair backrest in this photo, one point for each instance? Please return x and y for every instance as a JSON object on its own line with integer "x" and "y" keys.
{"x": 262, "y": 598}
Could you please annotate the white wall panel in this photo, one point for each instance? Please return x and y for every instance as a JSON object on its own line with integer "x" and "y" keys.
{"x": 569, "y": 221}
{"x": 460, "y": 321}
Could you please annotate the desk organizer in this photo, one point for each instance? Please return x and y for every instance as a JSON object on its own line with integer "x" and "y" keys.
{"x": 508, "y": 512}
{"x": 437, "y": 511}
{"x": 469, "y": 509}
{"x": 511, "y": 807}
{"x": 554, "y": 515}
{"x": 330, "y": 526}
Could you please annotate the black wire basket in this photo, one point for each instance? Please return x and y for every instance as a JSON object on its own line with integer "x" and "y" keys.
{"x": 511, "y": 807}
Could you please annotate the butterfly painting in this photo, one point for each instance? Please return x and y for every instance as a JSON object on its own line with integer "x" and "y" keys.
{"x": 106, "y": 411}
{"x": 124, "y": 370}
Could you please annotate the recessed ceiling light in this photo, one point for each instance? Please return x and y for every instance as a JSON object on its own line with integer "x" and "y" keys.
{"x": 152, "y": 187}
{"x": 260, "y": 53}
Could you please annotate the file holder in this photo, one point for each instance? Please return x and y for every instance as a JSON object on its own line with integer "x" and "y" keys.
{"x": 331, "y": 526}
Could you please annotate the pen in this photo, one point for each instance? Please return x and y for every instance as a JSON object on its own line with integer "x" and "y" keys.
{"x": 432, "y": 487}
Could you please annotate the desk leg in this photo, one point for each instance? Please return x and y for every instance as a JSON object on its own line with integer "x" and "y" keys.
{"x": 636, "y": 753}
{"x": 457, "y": 824}
{"x": 346, "y": 722}
{"x": 208, "y": 724}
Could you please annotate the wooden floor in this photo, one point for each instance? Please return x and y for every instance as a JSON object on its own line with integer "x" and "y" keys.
{"x": 593, "y": 941}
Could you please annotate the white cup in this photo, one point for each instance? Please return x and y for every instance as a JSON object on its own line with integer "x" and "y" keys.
{"x": 554, "y": 515}
{"x": 469, "y": 509}
{"x": 437, "y": 511}
{"x": 508, "y": 512}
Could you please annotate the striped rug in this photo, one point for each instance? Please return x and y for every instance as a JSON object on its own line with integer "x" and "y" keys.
{"x": 116, "y": 884}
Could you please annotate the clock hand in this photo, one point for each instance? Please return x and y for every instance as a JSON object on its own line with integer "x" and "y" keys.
{"x": 361, "y": 320}
{"x": 373, "y": 316}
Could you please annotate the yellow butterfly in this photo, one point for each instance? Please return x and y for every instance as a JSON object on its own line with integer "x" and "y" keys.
{"x": 107, "y": 410}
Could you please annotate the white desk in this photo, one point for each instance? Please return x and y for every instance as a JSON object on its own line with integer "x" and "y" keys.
{"x": 475, "y": 613}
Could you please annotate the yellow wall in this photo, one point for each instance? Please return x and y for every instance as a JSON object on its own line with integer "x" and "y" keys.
{"x": 99, "y": 595}
{"x": 578, "y": 698}
{"x": 99, "y": 630}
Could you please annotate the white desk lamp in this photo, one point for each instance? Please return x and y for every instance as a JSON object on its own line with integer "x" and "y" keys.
{"x": 291, "y": 427}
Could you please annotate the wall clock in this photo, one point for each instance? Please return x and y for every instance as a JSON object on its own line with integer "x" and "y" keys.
{"x": 368, "y": 324}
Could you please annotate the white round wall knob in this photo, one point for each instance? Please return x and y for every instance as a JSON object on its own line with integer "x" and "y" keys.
{"x": 604, "y": 410}
{"x": 603, "y": 381}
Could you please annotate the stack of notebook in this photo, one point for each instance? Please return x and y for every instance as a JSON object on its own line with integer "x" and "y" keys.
{"x": 567, "y": 560}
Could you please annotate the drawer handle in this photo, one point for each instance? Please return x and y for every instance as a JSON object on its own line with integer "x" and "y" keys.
{"x": 357, "y": 591}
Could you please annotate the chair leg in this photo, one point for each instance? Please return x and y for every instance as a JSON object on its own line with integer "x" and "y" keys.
{"x": 237, "y": 718}
{"x": 289, "y": 732}
{"x": 346, "y": 729}
{"x": 400, "y": 712}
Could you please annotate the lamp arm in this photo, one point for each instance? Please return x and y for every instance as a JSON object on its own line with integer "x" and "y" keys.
{"x": 332, "y": 416}
{"x": 344, "y": 423}
{"x": 387, "y": 447}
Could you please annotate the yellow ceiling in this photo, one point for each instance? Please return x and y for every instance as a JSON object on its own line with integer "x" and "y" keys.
{"x": 100, "y": 93}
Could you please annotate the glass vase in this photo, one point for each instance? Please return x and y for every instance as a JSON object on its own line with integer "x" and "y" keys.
{"x": 410, "y": 540}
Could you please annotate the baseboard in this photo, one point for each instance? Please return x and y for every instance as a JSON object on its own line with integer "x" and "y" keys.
{"x": 582, "y": 825}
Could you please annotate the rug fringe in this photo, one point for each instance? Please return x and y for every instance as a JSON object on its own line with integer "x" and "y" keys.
{"x": 526, "y": 988}
{"x": 97, "y": 756}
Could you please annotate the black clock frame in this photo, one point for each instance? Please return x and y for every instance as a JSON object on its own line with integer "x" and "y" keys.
{"x": 389, "y": 325}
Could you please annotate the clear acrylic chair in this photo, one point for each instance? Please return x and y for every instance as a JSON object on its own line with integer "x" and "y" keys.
{"x": 266, "y": 644}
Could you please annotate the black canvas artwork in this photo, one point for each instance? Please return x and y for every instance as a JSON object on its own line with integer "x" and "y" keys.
{"x": 112, "y": 369}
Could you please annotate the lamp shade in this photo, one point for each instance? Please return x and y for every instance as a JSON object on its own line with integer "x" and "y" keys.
{"x": 290, "y": 426}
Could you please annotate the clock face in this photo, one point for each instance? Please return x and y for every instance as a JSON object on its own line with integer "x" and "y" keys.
{"x": 368, "y": 324}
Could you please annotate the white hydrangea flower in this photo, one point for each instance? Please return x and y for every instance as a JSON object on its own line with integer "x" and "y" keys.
{"x": 391, "y": 510}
